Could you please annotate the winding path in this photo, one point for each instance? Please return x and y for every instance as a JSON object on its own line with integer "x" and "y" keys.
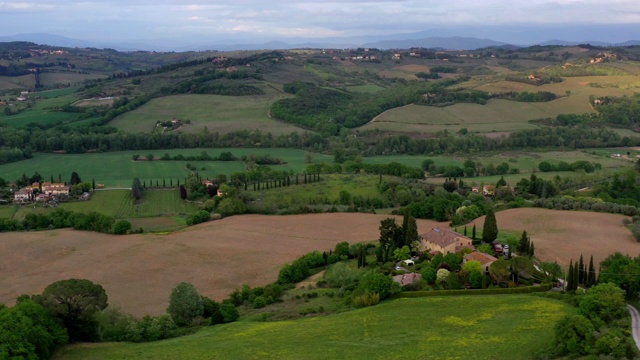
{"x": 635, "y": 324}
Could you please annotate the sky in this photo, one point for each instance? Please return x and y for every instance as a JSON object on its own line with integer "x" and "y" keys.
{"x": 128, "y": 20}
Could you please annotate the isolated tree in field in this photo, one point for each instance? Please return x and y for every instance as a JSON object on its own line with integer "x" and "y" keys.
{"x": 183, "y": 192}
{"x": 185, "y": 304}
{"x": 490, "y": 228}
{"x": 75, "y": 179}
{"x": 136, "y": 189}
{"x": 75, "y": 301}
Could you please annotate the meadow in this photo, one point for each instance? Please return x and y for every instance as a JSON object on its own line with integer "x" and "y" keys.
{"x": 504, "y": 115}
{"x": 41, "y": 112}
{"x": 117, "y": 169}
{"x": 425, "y": 328}
{"x": 218, "y": 113}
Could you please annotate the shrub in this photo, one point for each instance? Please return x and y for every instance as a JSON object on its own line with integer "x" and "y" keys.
{"x": 113, "y": 324}
{"x": 229, "y": 312}
{"x": 574, "y": 336}
{"x": 366, "y": 299}
{"x": 380, "y": 284}
{"x": 121, "y": 227}
{"x": 259, "y": 302}
{"x": 341, "y": 275}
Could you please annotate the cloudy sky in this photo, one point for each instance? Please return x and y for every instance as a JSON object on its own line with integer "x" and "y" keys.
{"x": 122, "y": 20}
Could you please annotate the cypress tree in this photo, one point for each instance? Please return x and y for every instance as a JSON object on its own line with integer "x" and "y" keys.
{"x": 93, "y": 183}
{"x": 591, "y": 275}
{"x": 576, "y": 276}
{"x": 490, "y": 228}
{"x": 473, "y": 232}
{"x": 569, "y": 278}
{"x": 581, "y": 277}
{"x": 465, "y": 230}
{"x": 531, "y": 249}
{"x": 523, "y": 244}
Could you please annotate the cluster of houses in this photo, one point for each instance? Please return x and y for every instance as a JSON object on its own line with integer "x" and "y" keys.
{"x": 41, "y": 192}
{"x": 445, "y": 241}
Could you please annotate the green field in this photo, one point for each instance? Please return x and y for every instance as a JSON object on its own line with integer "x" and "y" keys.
{"x": 467, "y": 327}
{"x": 504, "y": 115}
{"x": 118, "y": 204}
{"x": 217, "y": 112}
{"x": 326, "y": 191}
{"x": 496, "y": 116}
{"x": 117, "y": 169}
{"x": 41, "y": 112}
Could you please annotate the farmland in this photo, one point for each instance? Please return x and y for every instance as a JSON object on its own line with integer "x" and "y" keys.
{"x": 218, "y": 113}
{"x": 117, "y": 169}
{"x": 138, "y": 271}
{"x": 462, "y": 327}
{"x": 504, "y": 115}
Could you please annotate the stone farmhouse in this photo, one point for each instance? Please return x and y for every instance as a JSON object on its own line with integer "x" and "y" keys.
{"x": 444, "y": 241}
{"x": 484, "y": 259}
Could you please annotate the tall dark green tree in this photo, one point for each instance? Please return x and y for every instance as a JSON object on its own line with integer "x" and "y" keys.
{"x": 576, "y": 276}
{"x": 490, "y": 228}
{"x": 532, "y": 249}
{"x": 591, "y": 275}
{"x": 473, "y": 232}
{"x": 136, "y": 189}
{"x": 390, "y": 235}
{"x": 409, "y": 231}
{"x": 581, "y": 271}
{"x": 569, "y": 286}
{"x": 75, "y": 179}
{"x": 523, "y": 244}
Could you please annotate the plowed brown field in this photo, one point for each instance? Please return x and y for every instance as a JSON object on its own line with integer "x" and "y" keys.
{"x": 139, "y": 271}
{"x": 564, "y": 235}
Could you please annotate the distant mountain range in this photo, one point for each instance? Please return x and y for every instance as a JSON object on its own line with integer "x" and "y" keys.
{"x": 395, "y": 41}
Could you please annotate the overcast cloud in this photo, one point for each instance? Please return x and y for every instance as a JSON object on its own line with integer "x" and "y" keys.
{"x": 120, "y": 20}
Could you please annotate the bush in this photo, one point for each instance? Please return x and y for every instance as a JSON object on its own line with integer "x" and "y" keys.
{"x": 113, "y": 324}
{"x": 259, "y": 302}
{"x": 198, "y": 217}
{"x": 378, "y": 283}
{"x": 366, "y": 299}
{"x": 574, "y": 336}
{"x": 229, "y": 312}
{"x": 341, "y": 275}
{"x": 121, "y": 227}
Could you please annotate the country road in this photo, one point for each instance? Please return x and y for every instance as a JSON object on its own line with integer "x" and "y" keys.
{"x": 635, "y": 324}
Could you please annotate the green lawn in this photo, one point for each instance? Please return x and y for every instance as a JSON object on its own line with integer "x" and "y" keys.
{"x": 218, "y": 113}
{"x": 466, "y": 327}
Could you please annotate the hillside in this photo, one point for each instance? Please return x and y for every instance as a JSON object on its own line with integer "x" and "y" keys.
{"x": 426, "y": 328}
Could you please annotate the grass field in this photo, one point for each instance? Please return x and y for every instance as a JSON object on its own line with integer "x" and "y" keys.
{"x": 483, "y": 327}
{"x": 218, "y": 113}
{"x": 504, "y": 115}
{"x": 116, "y": 169}
{"x": 323, "y": 192}
{"x": 41, "y": 112}
{"x": 497, "y": 115}
{"x": 118, "y": 204}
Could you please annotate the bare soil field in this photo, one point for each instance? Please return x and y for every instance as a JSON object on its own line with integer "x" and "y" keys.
{"x": 139, "y": 271}
{"x": 563, "y": 235}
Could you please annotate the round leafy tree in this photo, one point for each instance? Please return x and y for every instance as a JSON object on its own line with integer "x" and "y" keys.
{"x": 185, "y": 304}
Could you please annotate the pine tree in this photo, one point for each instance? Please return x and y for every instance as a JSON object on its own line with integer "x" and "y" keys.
{"x": 591, "y": 275}
{"x": 569, "y": 278}
{"x": 473, "y": 232}
{"x": 581, "y": 277}
{"x": 490, "y": 228}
